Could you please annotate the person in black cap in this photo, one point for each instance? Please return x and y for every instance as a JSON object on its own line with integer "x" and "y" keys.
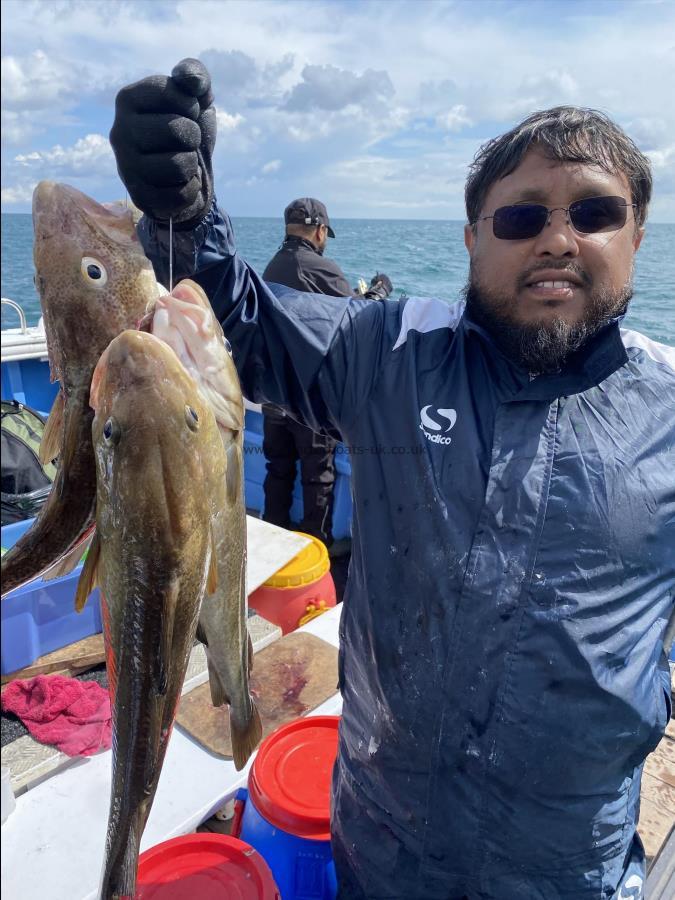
{"x": 299, "y": 263}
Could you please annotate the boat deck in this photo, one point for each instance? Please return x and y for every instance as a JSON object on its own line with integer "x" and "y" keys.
{"x": 657, "y": 800}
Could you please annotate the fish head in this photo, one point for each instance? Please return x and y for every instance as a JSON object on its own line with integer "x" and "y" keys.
{"x": 185, "y": 321}
{"x": 91, "y": 274}
{"x": 159, "y": 455}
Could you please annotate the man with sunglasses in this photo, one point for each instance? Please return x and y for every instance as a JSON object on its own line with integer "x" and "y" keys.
{"x": 502, "y": 659}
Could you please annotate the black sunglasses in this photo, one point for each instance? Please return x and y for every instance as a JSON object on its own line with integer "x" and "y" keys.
{"x": 587, "y": 216}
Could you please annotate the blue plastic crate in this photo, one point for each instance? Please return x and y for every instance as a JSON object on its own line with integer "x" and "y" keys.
{"x": 40, "y": 617}
{"x": 255, "y": 470}
{"x": 28, "y": 382}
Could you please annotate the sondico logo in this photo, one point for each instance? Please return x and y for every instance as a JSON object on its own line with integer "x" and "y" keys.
{"x": 435, "y": 424}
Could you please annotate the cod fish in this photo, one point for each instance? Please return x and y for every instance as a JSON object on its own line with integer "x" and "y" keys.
{"x": 185, "y": 320}
{"x": 160, "y": 475}
{"x": 94, "y": 282}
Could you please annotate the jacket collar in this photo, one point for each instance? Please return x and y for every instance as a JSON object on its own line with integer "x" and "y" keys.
{"x": 601, "y": 355}
{"x": 293, "y": 242}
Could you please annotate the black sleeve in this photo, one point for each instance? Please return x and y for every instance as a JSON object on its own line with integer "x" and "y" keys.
{"x": 327, "y": 278}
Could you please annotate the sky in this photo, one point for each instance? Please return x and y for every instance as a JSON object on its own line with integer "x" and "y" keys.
{"x": 374, "y": 106}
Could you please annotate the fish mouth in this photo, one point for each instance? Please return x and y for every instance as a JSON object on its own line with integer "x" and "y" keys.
{"x": 57, "y": 207}
{"x": 133, "y": 360}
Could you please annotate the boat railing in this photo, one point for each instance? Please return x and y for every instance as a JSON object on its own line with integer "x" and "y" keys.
{"x": 19, "y": 310}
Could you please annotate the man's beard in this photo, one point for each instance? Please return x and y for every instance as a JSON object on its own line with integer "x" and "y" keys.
{"x": 542, "y": 348}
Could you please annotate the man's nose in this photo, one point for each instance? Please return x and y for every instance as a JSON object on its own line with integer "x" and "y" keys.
{"x": 557, "y": 237}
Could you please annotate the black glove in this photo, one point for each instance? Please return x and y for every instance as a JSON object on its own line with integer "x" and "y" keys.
{"x": 163, "y": 138}
{"x": 380, "y": 287}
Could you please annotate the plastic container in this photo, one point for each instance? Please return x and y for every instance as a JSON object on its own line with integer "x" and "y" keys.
{"x": 204, "y": 867}
{"x": 302, "y": 589}
{"x": 7, "y": 801}
{"x": 40, "y": 616}
{"x": 286, "y": 815}
{"x": 27, "y": 381}
{"x": 255, "y": 470}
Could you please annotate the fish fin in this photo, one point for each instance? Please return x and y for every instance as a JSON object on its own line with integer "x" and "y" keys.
{"x": 245, "y": 739}
{"x": 110, "y": 658}
{"x": 163, "y": 658}
{"x": 218, "y": 695}
{"x": 233, "y": 473}
{"x": 68, "y": 562}
{"x": 89, "y": 576}
{"x": 212, "y": 576}
{"x": 200, "y": 634}
{"x": 76, "y": 422}
{"x": 50, "y": 445}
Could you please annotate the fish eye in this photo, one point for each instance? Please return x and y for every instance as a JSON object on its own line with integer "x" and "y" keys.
{"x": 111, "y": 431}
{"x": 228, "y": 345}
{"x": 191, "y": 418}
{"x": 93, "y": 271}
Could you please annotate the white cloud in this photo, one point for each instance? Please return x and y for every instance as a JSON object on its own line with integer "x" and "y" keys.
{"x": 455, "y": 119}
{"x": 272, "y": 166}
{"x": 663, "y": 159}
{"x": 227, "y": 122}
{"x": 19, "y": 193}
{"x": 17, "y": 127}
{"x": 87, "y": 153}
{"x": 35, "y": 81}
{"x": 292, "y": 87}
{"x": 331, "y": 89}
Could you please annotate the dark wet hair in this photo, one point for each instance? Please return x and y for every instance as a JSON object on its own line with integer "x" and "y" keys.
{"x": 567, "y": 134}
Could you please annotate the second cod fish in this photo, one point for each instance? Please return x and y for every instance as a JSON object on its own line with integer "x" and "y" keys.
{"x": 161, "y": 474}
{"x": 185, "y": 321}
{"x": 93, "y": 281}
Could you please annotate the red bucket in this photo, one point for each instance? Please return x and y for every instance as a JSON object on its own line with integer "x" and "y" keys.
{"x": 302, "y": 589}
{"x": 204, "y": 867}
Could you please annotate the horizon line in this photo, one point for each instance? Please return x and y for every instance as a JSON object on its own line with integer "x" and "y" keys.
{"x": 347, "y": 218}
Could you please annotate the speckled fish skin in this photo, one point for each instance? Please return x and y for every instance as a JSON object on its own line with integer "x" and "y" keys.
{"x": 185, "y": 320}
{"x": 159, "y": 460}
{"x": 82, "y": 314}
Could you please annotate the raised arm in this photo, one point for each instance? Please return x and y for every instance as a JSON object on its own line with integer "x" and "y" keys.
{"x": 317, "y": 356}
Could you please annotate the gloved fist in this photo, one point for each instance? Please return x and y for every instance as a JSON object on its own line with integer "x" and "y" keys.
{"x": 380, "y": 287}
{"x": 163, "y": 138}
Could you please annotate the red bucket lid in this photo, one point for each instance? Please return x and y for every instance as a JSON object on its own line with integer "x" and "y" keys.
{"x": 207, "y": 866}
{"x": 289, "y": 781}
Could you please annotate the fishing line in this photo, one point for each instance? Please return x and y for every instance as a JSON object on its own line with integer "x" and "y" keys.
{"x": 170, "y": 254}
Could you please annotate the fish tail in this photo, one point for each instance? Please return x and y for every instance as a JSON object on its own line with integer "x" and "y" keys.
{"x": 245, "y": 736}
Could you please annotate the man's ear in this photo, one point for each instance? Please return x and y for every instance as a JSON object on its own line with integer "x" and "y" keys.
{"x": 637, "y": 238}
{"x": 469, "y": 237}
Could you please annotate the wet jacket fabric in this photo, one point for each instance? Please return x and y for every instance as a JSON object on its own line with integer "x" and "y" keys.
{"x": 512, "y": 574}
{"x": 298, "y": 264}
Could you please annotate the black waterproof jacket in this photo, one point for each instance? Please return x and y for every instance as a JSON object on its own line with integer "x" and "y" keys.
{"x": 502, "y": 659}
{"x": 299, "y": 265}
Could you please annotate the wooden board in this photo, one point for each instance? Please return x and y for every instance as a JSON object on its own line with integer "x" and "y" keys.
{"x": 290, "y": 678}
{"x": 657, "y": 797}
{"x": 657, "y": 814}
{"x": 71, "y": 659}
{"x": 661, "y": 763}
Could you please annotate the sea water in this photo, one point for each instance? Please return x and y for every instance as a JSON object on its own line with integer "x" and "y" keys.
{"x": 422, "y": 258}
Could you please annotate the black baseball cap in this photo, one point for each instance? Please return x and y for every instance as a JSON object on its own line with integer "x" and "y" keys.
{"x": 308, "y": 211}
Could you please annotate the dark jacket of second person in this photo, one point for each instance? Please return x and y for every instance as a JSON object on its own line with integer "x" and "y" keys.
{"x": 298, "y": 264}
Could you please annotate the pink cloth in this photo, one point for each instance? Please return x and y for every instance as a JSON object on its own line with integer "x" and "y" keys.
{"x": 72, "y": 715}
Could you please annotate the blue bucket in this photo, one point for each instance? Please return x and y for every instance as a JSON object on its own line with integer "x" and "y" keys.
{"x": 286, "y": 814}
